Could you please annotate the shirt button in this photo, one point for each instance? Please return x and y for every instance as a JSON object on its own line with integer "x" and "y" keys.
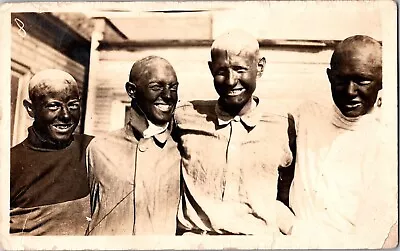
{"x": 143, "y": 147}
{"x": 236, "y": 118}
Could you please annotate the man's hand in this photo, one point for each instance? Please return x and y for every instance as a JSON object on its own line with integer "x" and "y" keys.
{"x": 284, "y": 218}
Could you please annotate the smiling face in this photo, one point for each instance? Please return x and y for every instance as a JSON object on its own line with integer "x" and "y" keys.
{"x": 235, "y": 66}
{"x": 154, "y": 89}
{"x": 356, "y": 77}
{"x": 235, "y": 77}
{"x": 55, "y": 108}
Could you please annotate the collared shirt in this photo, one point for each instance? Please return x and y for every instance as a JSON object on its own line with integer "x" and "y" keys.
{"x": 230, "y": 167}
{"x": 49, "y": 191}
{"x": 134, "y": 181}
{"x": 153, "y": 130}
{"x": 344, "y": 181}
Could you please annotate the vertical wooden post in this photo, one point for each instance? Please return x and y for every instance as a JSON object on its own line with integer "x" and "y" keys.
{"x": 97, "y": 36}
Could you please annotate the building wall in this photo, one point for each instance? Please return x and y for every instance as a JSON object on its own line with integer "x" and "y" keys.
{"x": 290, "y": 77}
{"x": 28, "y": 56}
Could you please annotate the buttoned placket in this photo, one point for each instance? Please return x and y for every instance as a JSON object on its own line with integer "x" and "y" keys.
{"x": 142, "y": 147}
{"x": 232, "y": 167}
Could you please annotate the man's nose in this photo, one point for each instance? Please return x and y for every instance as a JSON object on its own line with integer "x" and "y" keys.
{"x": 231, "y": 78}
{"x": 166, "y": 94}
{"x": 352, "y": 88}
{"x": 65, "y": 113}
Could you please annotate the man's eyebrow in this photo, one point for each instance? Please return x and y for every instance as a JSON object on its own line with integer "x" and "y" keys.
{"x": 240, "y": 66}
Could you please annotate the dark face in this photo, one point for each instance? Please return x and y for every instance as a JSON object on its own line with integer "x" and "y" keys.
{"x": 355, "y": 82}
{"x": 157, "y": 93}
{"x": 56, "y": 111}
{"x": 235, "y": 78}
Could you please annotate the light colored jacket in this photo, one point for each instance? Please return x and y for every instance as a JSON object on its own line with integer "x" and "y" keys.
{"x": 134, "y": 182}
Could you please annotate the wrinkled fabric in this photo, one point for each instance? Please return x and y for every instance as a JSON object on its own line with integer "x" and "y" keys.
{"x": 49, "y": 191}
{"x": 345, "y": 180}
{"x": 66, "y": 218}
{"x": 230, "y": 167}
{"x": 134, "y": 181}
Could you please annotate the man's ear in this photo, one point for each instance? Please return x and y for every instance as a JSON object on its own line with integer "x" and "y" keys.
{"x": 260, "y": 67}
{"x": 130, "y": 89}
{"x": 29, "y": 108}
{"x": 211, "y": 67}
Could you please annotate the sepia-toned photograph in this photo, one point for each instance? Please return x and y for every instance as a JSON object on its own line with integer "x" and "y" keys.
{"x": 199, "y": 125}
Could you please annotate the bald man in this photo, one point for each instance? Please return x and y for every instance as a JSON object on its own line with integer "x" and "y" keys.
{"x": 49, "y": 185}
{"x": 134, "y": 172}
{"x": 232, "y": 147}
{"x": 345, "y": 181}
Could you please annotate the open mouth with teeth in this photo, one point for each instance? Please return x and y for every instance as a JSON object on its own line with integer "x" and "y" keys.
{"x": 63, "y": 127}
{"x": 353, "y": 104}
{"x": 235, "y": 92}
{"x": 164, "y": 107}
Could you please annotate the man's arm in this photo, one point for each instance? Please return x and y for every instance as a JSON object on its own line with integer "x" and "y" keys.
{"x": 94, "y": 186}
{"x": 284, "y": 217}
{"x": 286, "y": 174}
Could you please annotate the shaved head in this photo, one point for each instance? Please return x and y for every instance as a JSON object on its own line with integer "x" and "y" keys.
{"x": 48, "y": 80}
{"x": 235, "y": 42}
{"x": 235, "y": 66}
{"x": 54, "y": 105}
{"x": 153, "y": 87}
{"x": 358, "y": 46}
{"x": 356, "y": 75}
{"x": 145, "y": 66}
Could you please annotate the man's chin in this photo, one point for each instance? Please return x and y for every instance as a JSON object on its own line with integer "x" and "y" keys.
{"x": 161, "y": 120}
{"x": 352, "y": 113}
{"x": 62, "y": 139}
{"x": 234, "y": 102}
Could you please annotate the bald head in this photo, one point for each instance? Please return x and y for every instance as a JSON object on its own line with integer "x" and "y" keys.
{"x": 235, "y": 42}
{"x": 54, "y": 105}
{"x": 48, "y": 80}
{"x": 356, "y": 75}
{"x": 146, "y": 66}
{"x": 153, "y": 87}
{"x": 364, "y": 49}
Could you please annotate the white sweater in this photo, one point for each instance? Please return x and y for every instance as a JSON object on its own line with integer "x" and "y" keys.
{"x": 345, "y": 179}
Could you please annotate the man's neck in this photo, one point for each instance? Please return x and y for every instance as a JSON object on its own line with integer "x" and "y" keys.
{"x": 144, "y": 125}
{"x": 38, "y": 141}
{"x": 239, "y": 111}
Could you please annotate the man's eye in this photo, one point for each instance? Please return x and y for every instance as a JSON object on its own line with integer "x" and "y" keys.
{"x": 220, "y": 72}
{"x": 156, "y": 88}
{"x": 174, "y": 88}
{"x": 52, "y": 107}
{"x": 364, "y": 82}
{"x": 240, "y": 69}
{"x": 74, "y": 106}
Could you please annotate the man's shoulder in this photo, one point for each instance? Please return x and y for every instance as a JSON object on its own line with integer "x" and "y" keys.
{"x": 312, "y": 108}
{"x": 18, "y": 147}
{"x": 273, "y": 111}
{"x": 195, "y": 110}
{"x": 83, "y": 138}
{"x": 17, "y": 153}
{"x": 107, "y": 140}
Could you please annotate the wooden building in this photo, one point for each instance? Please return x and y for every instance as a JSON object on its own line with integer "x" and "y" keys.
{"x": 98, "y": 49}
{"x": 297, "y": 47}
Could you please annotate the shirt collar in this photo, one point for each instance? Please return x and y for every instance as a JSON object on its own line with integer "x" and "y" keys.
{"x": 339, "y": 120}
{"x": 158, "y": 132}
{"x": 250, "y": 118}
{"x": 138, "y": 124}
{"x": 37, "y": 142}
